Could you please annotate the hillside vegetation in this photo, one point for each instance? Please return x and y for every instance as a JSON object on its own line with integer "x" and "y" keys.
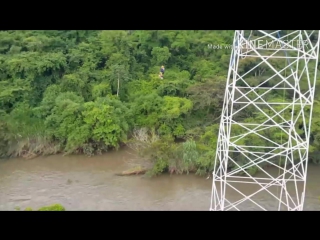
{"x": 77, "y": 91}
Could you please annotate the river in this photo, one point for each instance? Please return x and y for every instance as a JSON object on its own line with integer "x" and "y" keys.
{"x": 90, "y": 183}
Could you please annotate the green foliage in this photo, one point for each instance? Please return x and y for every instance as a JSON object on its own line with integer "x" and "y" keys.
{"x": 108, "y": 121}
{"x": 65, "y": 123}
{"x": 86, "y": 91}
{"x": 160, "y": 55}
{"x": 53, "y": 207}
{"x": 190, "y": 155}
{"x": 162, "y": 153}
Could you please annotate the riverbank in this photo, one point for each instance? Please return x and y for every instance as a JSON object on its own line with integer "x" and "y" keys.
{"x": 153, "y": 155}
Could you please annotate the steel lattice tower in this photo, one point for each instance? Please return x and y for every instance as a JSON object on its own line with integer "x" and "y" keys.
{"x": 263, "y": 140}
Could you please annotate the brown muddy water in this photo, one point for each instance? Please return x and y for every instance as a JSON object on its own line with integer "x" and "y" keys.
{"x": 83, "y": 183}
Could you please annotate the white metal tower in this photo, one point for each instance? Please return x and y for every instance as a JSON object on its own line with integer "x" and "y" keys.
{"x": 262, "y": 151}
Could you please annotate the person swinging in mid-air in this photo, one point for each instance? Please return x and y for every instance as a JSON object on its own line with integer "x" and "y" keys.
{"x": 161, "y": 72}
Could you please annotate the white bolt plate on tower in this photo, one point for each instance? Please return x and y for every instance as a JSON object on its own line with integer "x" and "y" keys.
{"x": 263, "y": 142}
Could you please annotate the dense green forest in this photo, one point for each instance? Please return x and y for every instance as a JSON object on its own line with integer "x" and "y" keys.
{"x": 86, "y": 91}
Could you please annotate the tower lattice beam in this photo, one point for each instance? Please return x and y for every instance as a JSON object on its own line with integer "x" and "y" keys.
{"x": 263, "y": 142}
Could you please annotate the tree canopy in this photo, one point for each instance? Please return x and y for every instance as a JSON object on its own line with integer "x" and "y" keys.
{"x": 88, "y": 91}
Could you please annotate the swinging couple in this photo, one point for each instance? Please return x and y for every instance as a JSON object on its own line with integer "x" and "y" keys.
{"x": 161, "y": 72}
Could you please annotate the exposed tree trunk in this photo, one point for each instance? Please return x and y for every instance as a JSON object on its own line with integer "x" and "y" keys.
{"x": 134, "y": 171}
{"x": 118, "y": 84}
